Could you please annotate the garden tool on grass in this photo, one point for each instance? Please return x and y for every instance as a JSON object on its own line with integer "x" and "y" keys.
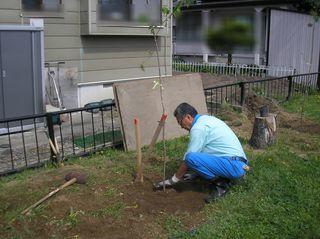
{"x": 71, "y": 177}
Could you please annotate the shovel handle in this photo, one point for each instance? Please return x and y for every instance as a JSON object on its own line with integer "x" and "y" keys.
{"x": 57, "y": 146}
{"x": 53, "y": 147}
{"x": 66, "y": 184}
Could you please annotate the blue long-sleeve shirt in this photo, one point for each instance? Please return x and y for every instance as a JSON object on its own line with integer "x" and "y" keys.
{"x": 211, "y": 135}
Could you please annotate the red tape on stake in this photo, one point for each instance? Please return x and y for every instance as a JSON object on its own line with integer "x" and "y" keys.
{"x": 164, "y": 117}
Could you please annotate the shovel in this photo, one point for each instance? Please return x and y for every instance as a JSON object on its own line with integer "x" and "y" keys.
{"x": 72, "y": 177}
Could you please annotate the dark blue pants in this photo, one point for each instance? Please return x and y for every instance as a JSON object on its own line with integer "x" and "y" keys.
{"x": 211, "y": 167}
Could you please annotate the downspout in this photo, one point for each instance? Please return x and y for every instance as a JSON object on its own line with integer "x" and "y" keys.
{"x": 268, "y": 37}
{"x": 81, "y": 76}
{"x": 1, "y": 87}
{"x": 21, "y": 16}
{"x": 318, "y": 81}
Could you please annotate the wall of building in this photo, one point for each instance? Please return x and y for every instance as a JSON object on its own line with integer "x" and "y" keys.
{"x": 97, "y": 59}
{"x": 291, "y": 41}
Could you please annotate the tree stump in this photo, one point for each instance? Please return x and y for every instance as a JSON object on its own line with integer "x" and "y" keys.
{"x": 264, "y": 130}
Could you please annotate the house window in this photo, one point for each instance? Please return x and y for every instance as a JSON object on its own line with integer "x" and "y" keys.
{"x": 42, "y": 5}
{"x": 189, "y": 26}
{"x": 129, "y": 12}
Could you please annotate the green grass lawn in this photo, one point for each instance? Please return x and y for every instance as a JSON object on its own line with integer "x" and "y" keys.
{"x": 309, "y": 106}
{"x": 98, "y": 139}
{"x": 279, "y": 198}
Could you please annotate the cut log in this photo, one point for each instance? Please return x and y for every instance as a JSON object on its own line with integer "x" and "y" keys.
{"x": 264, "y": 131}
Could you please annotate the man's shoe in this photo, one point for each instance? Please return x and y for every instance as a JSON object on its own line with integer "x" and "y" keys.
{"x": 222, "y": 182}
{"x": 217, "y": 193}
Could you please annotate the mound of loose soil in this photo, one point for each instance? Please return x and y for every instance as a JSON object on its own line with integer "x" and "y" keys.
{"x": 189, "y": 196}
{"x": 295, "y": 122}
{"x": 253, "y": 102}
{"x": 143, "y": 206}
{"x": 284, "y": 119}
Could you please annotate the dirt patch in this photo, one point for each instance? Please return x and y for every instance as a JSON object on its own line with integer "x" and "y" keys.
{"x": 284, "y": 119}
{"x": 107, "y": 210}
{"x": 176, "y": 200}
{"x": 295, "y": 122}
{"x": 242, "y": 123}
{"x": 253, "y": 102}
{"x": 212, "y": 80}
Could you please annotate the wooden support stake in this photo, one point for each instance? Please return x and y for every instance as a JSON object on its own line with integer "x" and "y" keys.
{"x": 157, "y": 132}
{"x": 139, "y": 177}
{"x": 53, "y": 147}
{"x": 57, "y": 146}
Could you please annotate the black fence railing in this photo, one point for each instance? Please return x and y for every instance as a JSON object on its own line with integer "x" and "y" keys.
{"x": 280, "y": 89}
{"x": 30, "y": 141}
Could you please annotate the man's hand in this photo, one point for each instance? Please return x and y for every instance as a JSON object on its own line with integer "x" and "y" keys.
{"x": 190, "y": 176}
{"x": 166, "y": 183}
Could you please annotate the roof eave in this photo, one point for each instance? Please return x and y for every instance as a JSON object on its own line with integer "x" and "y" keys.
{"x": 238, "y": 3}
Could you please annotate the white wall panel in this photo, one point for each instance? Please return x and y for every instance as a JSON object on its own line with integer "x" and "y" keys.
{"x": 290, "y": 42}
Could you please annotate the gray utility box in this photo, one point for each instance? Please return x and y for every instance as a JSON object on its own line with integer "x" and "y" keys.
{"x": 21, "y": 72}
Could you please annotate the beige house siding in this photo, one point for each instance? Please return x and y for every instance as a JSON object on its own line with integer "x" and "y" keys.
{"x": 98, "y": 58}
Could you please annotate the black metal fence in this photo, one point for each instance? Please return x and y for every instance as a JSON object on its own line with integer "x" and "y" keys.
{"x": 30, "y": 141}
{"x": 280, "y": 89}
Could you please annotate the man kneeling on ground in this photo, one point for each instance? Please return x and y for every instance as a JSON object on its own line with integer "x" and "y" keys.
{"x": 214, "y": 151}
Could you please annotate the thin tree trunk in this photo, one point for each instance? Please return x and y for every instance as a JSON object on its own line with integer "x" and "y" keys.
{"x": 229, "y": 59}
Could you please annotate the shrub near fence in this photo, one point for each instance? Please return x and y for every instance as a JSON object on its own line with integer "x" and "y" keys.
{"x": 224, "y": 69}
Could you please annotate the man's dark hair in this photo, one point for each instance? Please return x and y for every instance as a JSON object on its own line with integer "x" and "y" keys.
{"x": 183, "y": 109}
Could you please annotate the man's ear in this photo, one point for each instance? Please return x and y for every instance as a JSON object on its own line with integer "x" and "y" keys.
{"x": 190, "y": 118}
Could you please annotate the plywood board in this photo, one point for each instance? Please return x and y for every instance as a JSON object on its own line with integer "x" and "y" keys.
{"x": 139, "y": 99}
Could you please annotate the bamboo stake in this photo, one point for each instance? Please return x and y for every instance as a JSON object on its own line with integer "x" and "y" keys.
{"x": 139, "y": 177}
{"x": 157, "y": 132}
{"x": 57, "y": 146}
{"x": 53, "y": 147}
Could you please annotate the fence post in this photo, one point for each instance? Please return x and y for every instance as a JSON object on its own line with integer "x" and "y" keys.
{"x": 318, "y": 82}
{"x": 49, "y": 118}
{"x": 290, "y": 87}
{"x": 243, "y": 92}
